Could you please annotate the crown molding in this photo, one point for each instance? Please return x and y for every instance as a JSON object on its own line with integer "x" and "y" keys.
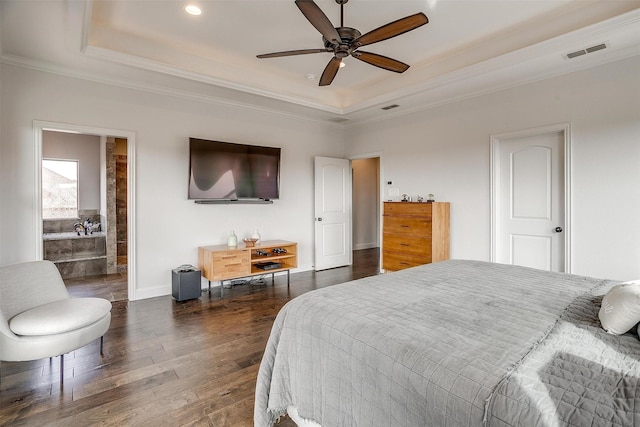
{"x": 560, "y": 44}
{"x": 47, "y": 67}
{"x": 496, "y": 65}
{"x": 150, "y": 65}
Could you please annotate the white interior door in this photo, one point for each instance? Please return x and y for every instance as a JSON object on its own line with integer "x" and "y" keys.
{"x": 332, "y": 213}
{"x": 530, "y": 200}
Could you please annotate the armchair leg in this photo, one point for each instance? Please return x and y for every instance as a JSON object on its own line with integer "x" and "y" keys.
{"x": 101, "y": 345}
{"x": 61, "y": 370}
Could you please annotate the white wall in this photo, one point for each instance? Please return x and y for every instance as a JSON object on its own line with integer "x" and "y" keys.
{"x": 446, "y": 151}
{"x": 169, "y": 227}
{"x": 443, "y": 150}
{"x": 86, "y": 150}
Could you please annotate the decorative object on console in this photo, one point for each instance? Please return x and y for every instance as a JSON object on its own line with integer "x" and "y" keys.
{"x": 256, "y": 236}
{"x": 250, "y": 242}
{"x": 232, "y": 241}
{"x": 431, "y": 198}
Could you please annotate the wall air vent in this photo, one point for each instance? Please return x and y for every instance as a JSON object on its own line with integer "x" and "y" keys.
{"x": 581, "y": 52}
{"x": 390, "y": 107}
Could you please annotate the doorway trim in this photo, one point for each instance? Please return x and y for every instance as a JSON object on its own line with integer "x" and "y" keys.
{"x": 496, "y": 140}
{"x": 38, "y": 127}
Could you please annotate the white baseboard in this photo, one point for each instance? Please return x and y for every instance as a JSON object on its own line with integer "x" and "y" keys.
{"x": 165, "y": 290}
{"x": 152, "y": 292}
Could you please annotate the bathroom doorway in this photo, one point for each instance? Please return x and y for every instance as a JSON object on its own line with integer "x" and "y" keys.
{"x": 91, "y": 246}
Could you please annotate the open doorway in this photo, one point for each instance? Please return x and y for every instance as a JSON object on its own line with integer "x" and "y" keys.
{"x": 92, "y": 246}
{"x": 366, "y": 203}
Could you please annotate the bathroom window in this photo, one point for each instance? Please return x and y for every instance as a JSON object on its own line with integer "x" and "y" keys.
{"x": 59, "y": 188}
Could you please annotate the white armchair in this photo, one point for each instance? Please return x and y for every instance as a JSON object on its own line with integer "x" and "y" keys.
{"x": 39, "y": 319}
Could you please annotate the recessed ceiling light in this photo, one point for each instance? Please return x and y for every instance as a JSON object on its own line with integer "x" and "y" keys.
{"x": 192, "y": 10}
{"x": 310, "y": 76}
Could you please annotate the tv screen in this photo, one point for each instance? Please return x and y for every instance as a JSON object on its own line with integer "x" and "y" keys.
{"x": 226, "y": 171}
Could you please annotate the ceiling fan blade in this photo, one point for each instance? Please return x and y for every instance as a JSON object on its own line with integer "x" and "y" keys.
{"x": 381, "y": 61}
{"x": 292, "y": 52}
{"x": 318, "y": 19}
{"x": 392, "y": 29}
{"x": 330, "y": 71}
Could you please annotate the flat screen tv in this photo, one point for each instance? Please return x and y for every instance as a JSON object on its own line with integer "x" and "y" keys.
{"x": 228, "y": 171}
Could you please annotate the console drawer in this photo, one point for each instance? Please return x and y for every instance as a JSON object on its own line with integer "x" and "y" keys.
{"x": 231, "y": 264}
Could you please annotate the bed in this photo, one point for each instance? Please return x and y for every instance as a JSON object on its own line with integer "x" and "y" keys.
{"x": 456, "y": 343}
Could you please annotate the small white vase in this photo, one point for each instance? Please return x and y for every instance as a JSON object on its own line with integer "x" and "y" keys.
{"x": 256, "y": 235}
{"x": 233, "y": 239}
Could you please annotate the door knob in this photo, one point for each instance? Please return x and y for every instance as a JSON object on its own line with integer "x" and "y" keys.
{"x": 558, "y": 230}
{"x": 319, "y": 219}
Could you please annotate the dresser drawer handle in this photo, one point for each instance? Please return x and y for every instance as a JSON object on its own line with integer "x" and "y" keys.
{"x": 404, "y": 263}
{"x": 404, "y": 244}
{"x": 405, "y": 226}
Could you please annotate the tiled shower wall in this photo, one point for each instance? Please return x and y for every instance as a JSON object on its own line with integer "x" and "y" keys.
{"x": 121, "y": 212}
{"x": 110, "y": 209}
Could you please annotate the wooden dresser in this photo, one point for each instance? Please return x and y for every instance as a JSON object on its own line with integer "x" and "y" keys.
{"x": 414, "y": 234}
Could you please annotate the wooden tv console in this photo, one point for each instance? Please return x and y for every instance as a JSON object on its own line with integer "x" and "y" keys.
{"x": 221, "y": 262}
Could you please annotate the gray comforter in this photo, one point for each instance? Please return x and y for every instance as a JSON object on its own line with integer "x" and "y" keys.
{"x": 435, "y": 345}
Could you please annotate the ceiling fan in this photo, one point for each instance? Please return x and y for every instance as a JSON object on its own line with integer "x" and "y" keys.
{"x": 344, "y": 41}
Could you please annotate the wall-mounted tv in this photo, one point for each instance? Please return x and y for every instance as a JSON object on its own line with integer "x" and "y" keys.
{"x": 228, "y": 171}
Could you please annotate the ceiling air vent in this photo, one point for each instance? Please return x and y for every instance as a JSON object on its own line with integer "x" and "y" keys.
{"x": 596, "y": 48}
{"x": 581, "y": 52}
{"x": 390, "y": 107}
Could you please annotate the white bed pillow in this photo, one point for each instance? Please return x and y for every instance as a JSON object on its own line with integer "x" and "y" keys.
{"x": 620, "y": 309}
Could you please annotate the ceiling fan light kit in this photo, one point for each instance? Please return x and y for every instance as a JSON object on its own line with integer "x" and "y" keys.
{"x": 345, "y": 41}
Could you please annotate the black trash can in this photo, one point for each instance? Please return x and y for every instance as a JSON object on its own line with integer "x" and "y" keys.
{"x": 185, "y": 283}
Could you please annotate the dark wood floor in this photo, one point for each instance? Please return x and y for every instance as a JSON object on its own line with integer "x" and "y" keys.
{"x": 166, "y": 363}
{"x": 112, "y": 287}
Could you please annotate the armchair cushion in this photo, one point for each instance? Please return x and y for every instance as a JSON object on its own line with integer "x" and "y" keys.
{"x": 60, "y": 316}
